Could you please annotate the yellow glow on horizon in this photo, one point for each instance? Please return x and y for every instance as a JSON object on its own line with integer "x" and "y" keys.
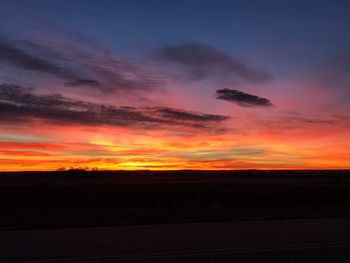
{"x": 109, "y": 149}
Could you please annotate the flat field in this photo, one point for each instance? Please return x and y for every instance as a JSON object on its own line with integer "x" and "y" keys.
{"x": 32, "y": 200}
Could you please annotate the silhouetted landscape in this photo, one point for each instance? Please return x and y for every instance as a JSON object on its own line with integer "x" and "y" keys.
{"x": 174, "y": 131}
{"x": 76, "y": 198}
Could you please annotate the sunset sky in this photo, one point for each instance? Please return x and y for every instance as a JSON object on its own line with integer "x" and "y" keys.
{"x": 195, "y": 84}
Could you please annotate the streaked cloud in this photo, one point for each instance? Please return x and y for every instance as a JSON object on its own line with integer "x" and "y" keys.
{"x": 83, "y": 82}
{"x": 77, "y": 65}
{"x": 190, "y": 116}
{"x": 199, "y": 61}
{"x": 18, "y": 57}
{"x": 18, "y": 104}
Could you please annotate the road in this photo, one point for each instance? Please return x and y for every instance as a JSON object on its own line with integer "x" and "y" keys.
{"x": 321, "y": 240}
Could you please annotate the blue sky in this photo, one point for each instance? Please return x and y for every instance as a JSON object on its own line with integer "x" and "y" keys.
{"x": 249, "y": 28}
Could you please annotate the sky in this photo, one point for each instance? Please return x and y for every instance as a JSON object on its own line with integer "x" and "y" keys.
{"x": 195, "y": 84}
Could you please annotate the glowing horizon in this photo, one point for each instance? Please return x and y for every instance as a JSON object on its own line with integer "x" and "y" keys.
{"x": 218, "y": 92}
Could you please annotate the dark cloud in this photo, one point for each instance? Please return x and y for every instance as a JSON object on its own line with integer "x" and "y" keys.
{"x": 288, "y": 123}
{"x": 312, "y": 120}
{"x": 123, "y": 76}
{"x": 241, "y": 98}
{"x": 189, "y": 116}
{"x": 18, "y": 57}
{"x": 201, "y": 61}
{"x": 83, "y": 82}
{"x": 18, "y": 104}
{"x": 78, "y": 64}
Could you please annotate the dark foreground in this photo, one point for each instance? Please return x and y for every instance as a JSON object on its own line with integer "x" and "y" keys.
{"x": 84, "y": 199}
{"x": 315, "y": 240}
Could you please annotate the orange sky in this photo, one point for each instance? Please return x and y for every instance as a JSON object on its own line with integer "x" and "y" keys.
{"x": 310, "y": 146}
{"x": 260, "y": 90}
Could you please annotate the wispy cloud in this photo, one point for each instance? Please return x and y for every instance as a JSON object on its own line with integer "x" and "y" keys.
{"x": 200, "y": 61}
{"x": 18, "y": 57}
{"x": 333, "y": 73}
{"x": 77, "y": 64}
{"x": 83, "y": 82}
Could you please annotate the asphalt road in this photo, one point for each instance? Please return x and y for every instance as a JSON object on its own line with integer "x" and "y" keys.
{"x": 321, "y": 240}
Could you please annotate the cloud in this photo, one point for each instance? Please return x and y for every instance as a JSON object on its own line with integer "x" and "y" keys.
{"x": 234, "y": 153}
{"x": 77, "y": 64}
{"x": 201, "y": 61}
{"x": 18, "y": 105}
{"x": 241, "y": 98}
{"x": 290, "y": 122}
{"x": 333, "y": 73}
{"x": 18, "y": 57}
{"x": 189, "y": 116}
{"x": 83, "y": 82}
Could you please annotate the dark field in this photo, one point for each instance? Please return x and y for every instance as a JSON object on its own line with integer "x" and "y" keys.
{"x": 81, "y": 199}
